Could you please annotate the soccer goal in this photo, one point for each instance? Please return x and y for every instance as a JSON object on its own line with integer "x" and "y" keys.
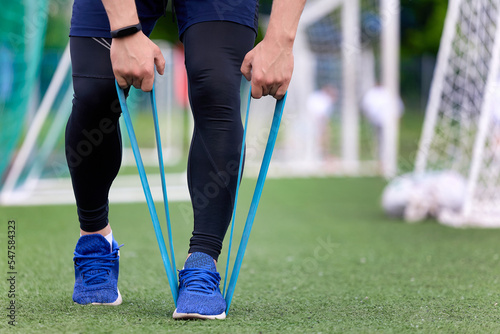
{"x": 20, "y": 52}
{"x": 342, "y": 46}
{"x": 38, "y": 173}
{"x": 462, "y": 125}
{"x": 342, "y": 49}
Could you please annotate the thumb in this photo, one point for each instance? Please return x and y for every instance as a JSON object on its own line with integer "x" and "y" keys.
{"x": 246, "y": 66}
{"x": 159, "y": 61}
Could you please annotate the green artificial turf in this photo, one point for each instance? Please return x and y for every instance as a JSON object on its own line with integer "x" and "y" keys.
{"x": 322, "y": 258}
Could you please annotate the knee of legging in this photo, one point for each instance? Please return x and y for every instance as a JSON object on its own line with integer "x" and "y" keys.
{"x": 214, "y": 88}
{"x": 96, "y": 95}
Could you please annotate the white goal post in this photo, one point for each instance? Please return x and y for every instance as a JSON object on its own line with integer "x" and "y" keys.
{"x": 359, "y": 61}
{"x": 462, "y": 125}
{"x": 39, "y": 175}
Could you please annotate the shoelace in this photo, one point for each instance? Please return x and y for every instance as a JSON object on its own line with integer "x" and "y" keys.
{"x": 199, "y": 280}
{"x": 93, "y": 268}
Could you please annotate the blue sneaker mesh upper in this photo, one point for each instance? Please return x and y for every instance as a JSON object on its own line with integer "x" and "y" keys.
{"x": 96, "y": 270}
{"x": 199, "y": 287}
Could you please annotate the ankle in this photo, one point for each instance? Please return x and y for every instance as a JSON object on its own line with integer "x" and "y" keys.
{"x": 104, "y": 232}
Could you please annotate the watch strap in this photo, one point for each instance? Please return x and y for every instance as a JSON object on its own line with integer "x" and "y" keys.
{"x": 126, "y": 31}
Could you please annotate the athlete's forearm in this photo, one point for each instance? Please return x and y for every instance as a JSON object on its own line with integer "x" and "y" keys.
{"x": 285, "y": 15}
{"x": 121, "y": 13}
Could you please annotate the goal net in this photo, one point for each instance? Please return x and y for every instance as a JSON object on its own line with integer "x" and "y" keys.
{"x": 38, "y": 174}
{"x": 20, "y": 50}
{"x": 462, "y": 125}
{"x": 340, "y": 54}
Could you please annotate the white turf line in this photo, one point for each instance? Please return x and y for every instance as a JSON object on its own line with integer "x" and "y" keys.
{"x": 128, "y": 188}
{"x": 125, "y": 189}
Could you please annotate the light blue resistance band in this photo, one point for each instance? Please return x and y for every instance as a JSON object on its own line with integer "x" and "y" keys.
{"x": 273, "y": 134}
{"x": 240, "y": 169}
{"x": 169, "y": 266}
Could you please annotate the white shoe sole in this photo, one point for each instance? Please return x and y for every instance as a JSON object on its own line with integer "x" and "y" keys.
{"x": 176, "y": 315}
{"x": 117, "y": 302}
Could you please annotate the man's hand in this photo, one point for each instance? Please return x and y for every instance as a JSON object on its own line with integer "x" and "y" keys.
{"x": 269, "y": 68}
{"x": 269, "y": 65}
{"x": 133, "y": 59}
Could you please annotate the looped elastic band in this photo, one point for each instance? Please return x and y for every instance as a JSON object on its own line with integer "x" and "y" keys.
{"x": 169, "y": 262}
{"x": 266, "y": 160}
{"x": 169, "y": 265}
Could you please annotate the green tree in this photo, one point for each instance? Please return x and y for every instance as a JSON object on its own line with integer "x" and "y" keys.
{"x": 421, "y": 26}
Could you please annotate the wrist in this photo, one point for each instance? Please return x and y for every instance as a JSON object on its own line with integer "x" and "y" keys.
{"x": 284, "y": 44}
{"x": 282, "y": 38}
{"x": 126, "y": 31}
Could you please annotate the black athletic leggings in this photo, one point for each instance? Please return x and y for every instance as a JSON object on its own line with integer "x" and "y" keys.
{"x": 214, "y": 53}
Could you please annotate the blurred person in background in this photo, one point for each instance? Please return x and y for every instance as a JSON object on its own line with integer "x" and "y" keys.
{"x": 320, "y": 107}
{"x": 376, "y": 105}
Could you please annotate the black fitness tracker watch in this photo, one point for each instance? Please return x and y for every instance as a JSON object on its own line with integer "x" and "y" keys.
{"x": 126, "y": 31}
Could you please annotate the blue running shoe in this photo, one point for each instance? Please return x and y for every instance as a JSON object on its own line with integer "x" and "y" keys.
{"x": 96, "y": 271}
{"x": 199, "y": 293}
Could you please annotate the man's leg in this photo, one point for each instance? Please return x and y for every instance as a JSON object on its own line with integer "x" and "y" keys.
{"x": 93, "y": 143}
{"x": 214, "y": 53}
{"x": 93, "y": 153}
